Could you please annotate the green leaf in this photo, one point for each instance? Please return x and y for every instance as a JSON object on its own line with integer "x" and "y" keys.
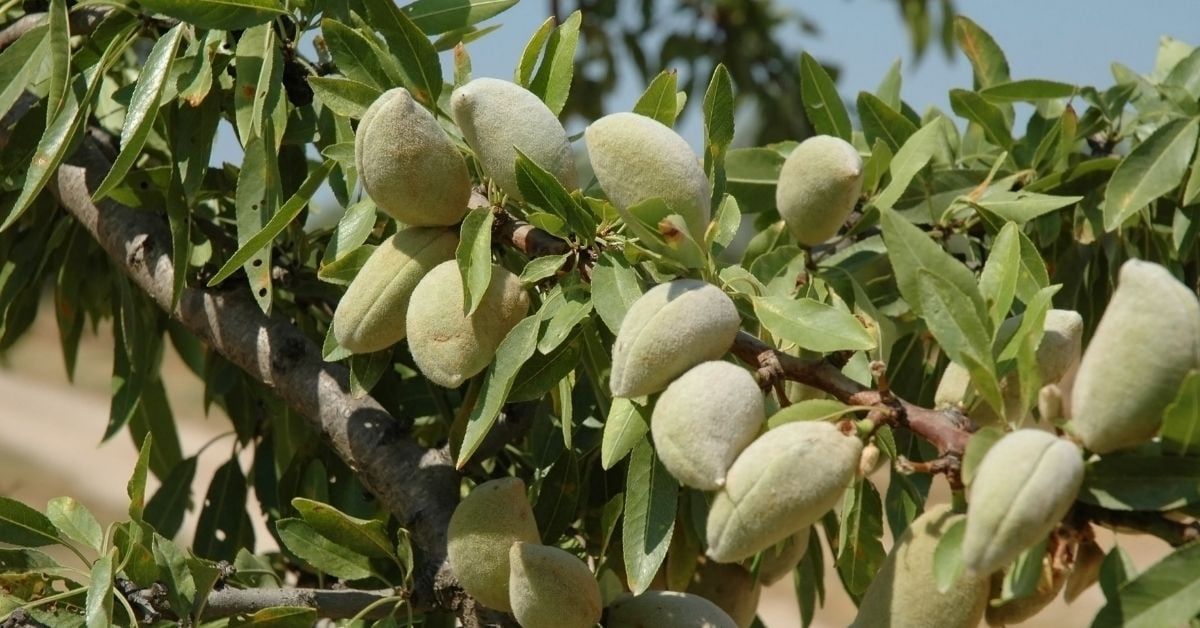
{"x": 136, "y": 487}
{"x": 998, "y": 281}
{"x": 143, "y": 108}
{"x": 558, "y": 498}
{"x": 881, "y": 122}
{"x": 225, "y": 15}
{"x": 650, "y": 499}
{"x": 626, "y": 425}
{"x": 552, "y": 81}
{"x": 321, "y": 553}
{"x": 751, "y": 175}
{"x": 809, "y": 410}
{"x": 544, "y": 190}
{"x": 975, "y": 108}
{"x": 889, "y": 86}
{"x": 1153, "y": 168}
{"x": 812, "y": 325}
{"x": 947, "y": 557}
{"x": 174, "y": 572}
{"x": 343, "y": 269}
{"x": 435, "y": 17}
{"x": 75, "y": 521}
{"x": 860, "y": 543}
{"x": 98, "y": 608}
{"x": 23, "y": 526}
{"x": 542, "y": 372}
{"x": 1191, "y": 192}
{"x": 224, "y": 525}
{"x": 911, "y": 250}
{"x": 1141, "y": 482}
{"x": 60, "y": 58}
{"x": 1181, "y": 421}
{"x": 821, "y": 101}
{"x": 659, "y": 229}
{"x": 368, "y": 537}
{"x": 523, "y": 74}
{"x": 256, "y": 200}
{"x": 1021, "y": 207}
{"x": 357, "y": 57}
{"x": 987, "y": 60}
{"x": 258, "y": 91}
{"x": 474, "y": 255}
{"x": 540, "y": 268}
{"x": 164, "y": 512}
{"x": 16, "y": 70}
{"x": 344, "y": 96}
{"x": 278, "y": 617}
{"x": 512, "y": 353}
{"x": 287, "y": 213}
{"x": 417, "y": 56}
{"x": 658, "y": 101}
{"x": 909, "y": 160}
{"x": 1166, "y": 594}
{"x": 615, "y": 286}
{"x": 960, "y": 331}
{"x": 718, "y": 128}
{"x": 1028, "y": 90}
{"x": 567, "y": 306}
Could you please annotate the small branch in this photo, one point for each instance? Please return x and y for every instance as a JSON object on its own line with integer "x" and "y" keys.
{"x": 329, "y": 603}
{"x": 1175, "y": 533}
{"x": 81, "y": 21}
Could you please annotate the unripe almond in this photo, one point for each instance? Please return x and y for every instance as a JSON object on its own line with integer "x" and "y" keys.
{"x": 551, "y": 588}
{"x": 904, "y": 594}
{"x": 370, "y": 316}
{"x": 1049, "y": 402}
{"x": 637, "y": 158}
{"x": 449, "y": 346}
{"x": 704, "y": 420}
{"x": 408, "y": 164}
{"x": 481, "y": 533}
{"x": 1061, "y": 345}
{"x": 1022, "y": 489}
{"x": 668, "y": 609}
{"x": 1144, "y": 345}
{"x": 781, "y": 560}
{"x": 497, "y": 118}
{"x": 785, "y": 480}
{"x": 819, "y": 183}
{"x": 668, "y": 330}
{"x": 731, "y": 587}
{"x": 1015, "y": 611}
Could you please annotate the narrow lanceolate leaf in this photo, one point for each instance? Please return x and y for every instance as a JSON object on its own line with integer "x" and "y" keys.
{"x": 615, "y": 286}
{"x": 224, "y": 525}
{"x": 718, "y": 111}
{"x": 889, "y": 86}
{"x": 911, "y": 250}
{"x": 650, "y": 498}
{"x": 998, "y": 281}
{"x": 258, "y": 92}
{"x": 357, "y": 57}
{"x": 136, "y": 487}
{"x": 19, "y": 63}
{"x": 368, "y": 537}
{"x": 278, "y": 617}
{"x": 987, "y": 60}
{"x": 417, "y": 56}
{"x": 975, "y": 108}
{"x": 255, "y": 201}
{"x": 1021, "y": 207}
{"x": 821, "y": 101}
{"x": 882, "y": 122}
{"x": 1142, "y": 483}
{"x": 60, "y": 59}
{"x": 523, "y": 74}
{"x": 812, "y": 325}
{"x": 810, "y": 410}
{"x": 143, "y": 108}
{"x": 1166, "y": 594}
{"x": 435, "y": 17}
{"x": 344, "y": 96}
{"x": 512, "y": 353}
{"x": 98, "y": 609}
{"x": 624, "y": 428}
{"x": 275, "y": 226}
{"x": 75, "y": 522}
{"x": 218, "y": 14}
{"x": 860, "y": 543}
{"x": 474, "y": 255}
{"x": 917, "y": 150}
{"x": 960, "y": 331}
{"x": 323, "y": 554}
{"x": 1181, "y": 422}
{"x": 658, "y": 101}
{"x": 23, "y": 526}
{"x": 165, "y": 509}
{"x": 1151, "y": 170}
{"x": 552, "y": 81}
{"x": 1028, "y": 90}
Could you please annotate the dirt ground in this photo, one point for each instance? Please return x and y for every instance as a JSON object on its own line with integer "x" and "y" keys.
{"x": 50, "y": 445}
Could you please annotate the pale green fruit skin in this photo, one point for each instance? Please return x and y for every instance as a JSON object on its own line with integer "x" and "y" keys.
{"x": 784, "y": 481}
{"x": 703, "y": 420}
{"x": 668, "y": 330}
{"x": 448, "y": 346}
{"x": 636, "y": 158}
{"x": 370, "y": 316}
{"x": 481, "y": 533}
{"x": 408, "y": 165}
{"x": 1022, "y": 489}
{"x": 904, "y": 594}
{"x": 953, "y": 387}
{"x": 780, "y": 561}
{"x": 819, "y": 183}
{"x": 497, "y": 118}
{"x": 1145, "y": 344}
{"x": 666, "y": 609}
{"x": 551, "y": 588}
{"x": 731, "y": 587}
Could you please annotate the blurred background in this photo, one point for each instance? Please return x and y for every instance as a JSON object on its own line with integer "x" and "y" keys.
{"x": 50, "y": 428}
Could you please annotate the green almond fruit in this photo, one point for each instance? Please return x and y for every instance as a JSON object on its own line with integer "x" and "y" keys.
{"x": 731, "y": 587}
{"x": 819, "y": 184}
{"x": 785, "y": 480}
{"x": 1023, "y": 487}
{"x": 781, "y": 560}
{"x": 668, "y": 330}
{"x": 370, "y": 316}
{"x": 1145, "y": 344}
{"x": 1061, "y": 345}
{"x": 408, "y": 165}
{"x": 636, "y": 158}
{"x": 904, "y": 593}
{"x": 703, "y": 420}
{"x": 449, "y": 346}
{"x": 666, "y": 609}
{"x": 481, "y": 534}
{"x": 498, "y": 118}
{"x": 551, "y": 588}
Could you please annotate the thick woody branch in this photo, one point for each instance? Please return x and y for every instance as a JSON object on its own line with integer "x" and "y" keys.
{"x": 418, "y": 486}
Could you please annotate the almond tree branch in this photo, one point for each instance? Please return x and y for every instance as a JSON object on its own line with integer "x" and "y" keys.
{"x": 329, "y": 604}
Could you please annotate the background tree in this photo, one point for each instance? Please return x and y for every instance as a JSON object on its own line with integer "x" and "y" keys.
{"x": 908, "y": 336}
